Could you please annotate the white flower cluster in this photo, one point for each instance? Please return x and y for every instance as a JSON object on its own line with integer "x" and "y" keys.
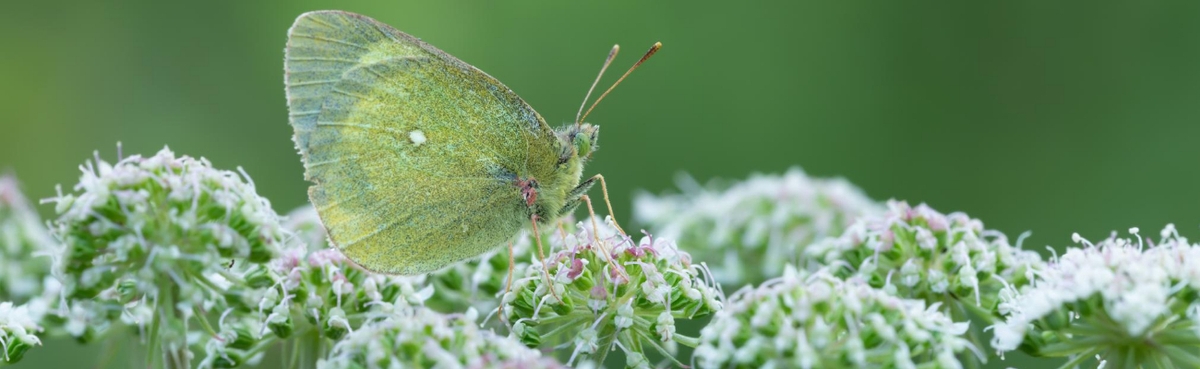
{"x": 202, "y": 269}
{"x": 309, "y": 293}
{"x": 917, "y": 252}
{"x": 23, "y": 244}
{"x": 421, "y": 338}
{"x": 17, "y": 332}
{"x": 803, "y": 320}
{"x": 150, "y": 237}
{"x": 749, "y": 231}
{"x": 200, "y": 264}
{"x": 162, "y": 244}
{"x": 603, "y": 291}
{"x": 1121, "y": 299}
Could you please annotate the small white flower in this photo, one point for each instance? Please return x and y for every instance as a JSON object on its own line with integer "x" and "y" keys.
{"x": 624, "y": 317}
{"x": 18, "y": 331}
{"x": 634, "y": 359}
{"x": 587, "y": 340}
{"x": 665, "y": 326}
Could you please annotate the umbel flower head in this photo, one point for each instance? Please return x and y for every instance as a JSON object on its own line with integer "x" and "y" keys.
{"x": 917, "y": 252}
{"x": 23, "y": 244}
{"x": 309, "y": 297}
{"x": 422, "y": 338}
{"x": 604, "y": 291}
{"x": 17, "y": 332}
{"x": 312, "y": 298}
{"x": 149, "y": 241}
{"x": 750, "y": 230}
{"x": 1127, "y": 303}
{"x": 816, "y": 320}
{"x": 145, "y": 217}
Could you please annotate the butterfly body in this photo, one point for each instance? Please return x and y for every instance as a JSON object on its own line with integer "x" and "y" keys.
{"x": 417, "y": 159}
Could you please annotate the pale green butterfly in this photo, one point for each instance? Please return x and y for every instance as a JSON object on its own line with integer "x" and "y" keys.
{"x": 419, "y": 160}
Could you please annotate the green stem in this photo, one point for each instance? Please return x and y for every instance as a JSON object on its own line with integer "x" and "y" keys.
{"x": 204, "y": 322}
{"x": 312, "y": 349}
{"x": 155, "y": 323}
{"x": 604, "y": 347}
{"x": 295, "y": 359}
{"x": 686, "y": 341}
{"x": 175, "y": 353}
{"x": 564, "y": 327}
{"x": 1084, "y": 356}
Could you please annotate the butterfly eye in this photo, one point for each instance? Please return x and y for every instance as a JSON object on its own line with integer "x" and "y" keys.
{"x": 583, "y": 145}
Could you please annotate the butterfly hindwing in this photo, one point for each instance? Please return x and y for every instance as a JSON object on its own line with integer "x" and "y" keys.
{"x": 412, "y": 153}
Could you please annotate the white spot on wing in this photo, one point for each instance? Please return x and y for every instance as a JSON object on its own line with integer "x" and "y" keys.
{"x": 417, "y": 137}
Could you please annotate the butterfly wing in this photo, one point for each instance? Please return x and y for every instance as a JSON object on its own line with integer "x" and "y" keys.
{"x": 413, "y": 153}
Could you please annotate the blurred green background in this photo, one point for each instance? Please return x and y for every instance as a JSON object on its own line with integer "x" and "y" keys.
{"x": 1053, "y": 117}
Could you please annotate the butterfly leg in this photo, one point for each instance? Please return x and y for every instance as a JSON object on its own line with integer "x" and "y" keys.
{"x": 537, "y": 236}
{"x": 579, "y": 192}
{"x": 574, "y": 197}
{"x": 607, "y": 202}
{"x": 508, "y": 285}
{"x": 562, "y": 232}
{"x": 608, "y": 254}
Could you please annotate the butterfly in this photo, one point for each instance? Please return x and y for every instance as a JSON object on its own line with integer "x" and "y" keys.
{"x": 417, "y": 159}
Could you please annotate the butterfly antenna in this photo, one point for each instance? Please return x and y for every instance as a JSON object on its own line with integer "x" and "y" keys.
{"x": 649, "y": 53}
{"x": 611, "y": 55}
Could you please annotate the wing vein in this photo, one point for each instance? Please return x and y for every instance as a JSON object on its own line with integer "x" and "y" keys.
{"x": 321, "y": 58}
{"x": 313, "y": 82}
{"x": 305, "y": 112}
{"x": 321, "y": 22}
{"x": 354, "y": 125}
{"x": 351, "y": 94}
{"x": 327, "y": 39}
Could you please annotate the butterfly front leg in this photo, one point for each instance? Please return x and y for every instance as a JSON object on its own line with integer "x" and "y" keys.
{"x": 574, "y": 198}
{"x": 579, "y": 195}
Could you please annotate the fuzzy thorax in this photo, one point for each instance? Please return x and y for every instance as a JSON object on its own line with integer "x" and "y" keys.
{"x": 557, "y": 196}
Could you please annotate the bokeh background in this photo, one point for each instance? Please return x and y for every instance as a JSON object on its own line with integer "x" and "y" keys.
{"x": 1054, "y": 117}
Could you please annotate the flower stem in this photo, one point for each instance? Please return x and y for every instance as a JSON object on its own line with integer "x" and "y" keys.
{"x": 174, "y": 343}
